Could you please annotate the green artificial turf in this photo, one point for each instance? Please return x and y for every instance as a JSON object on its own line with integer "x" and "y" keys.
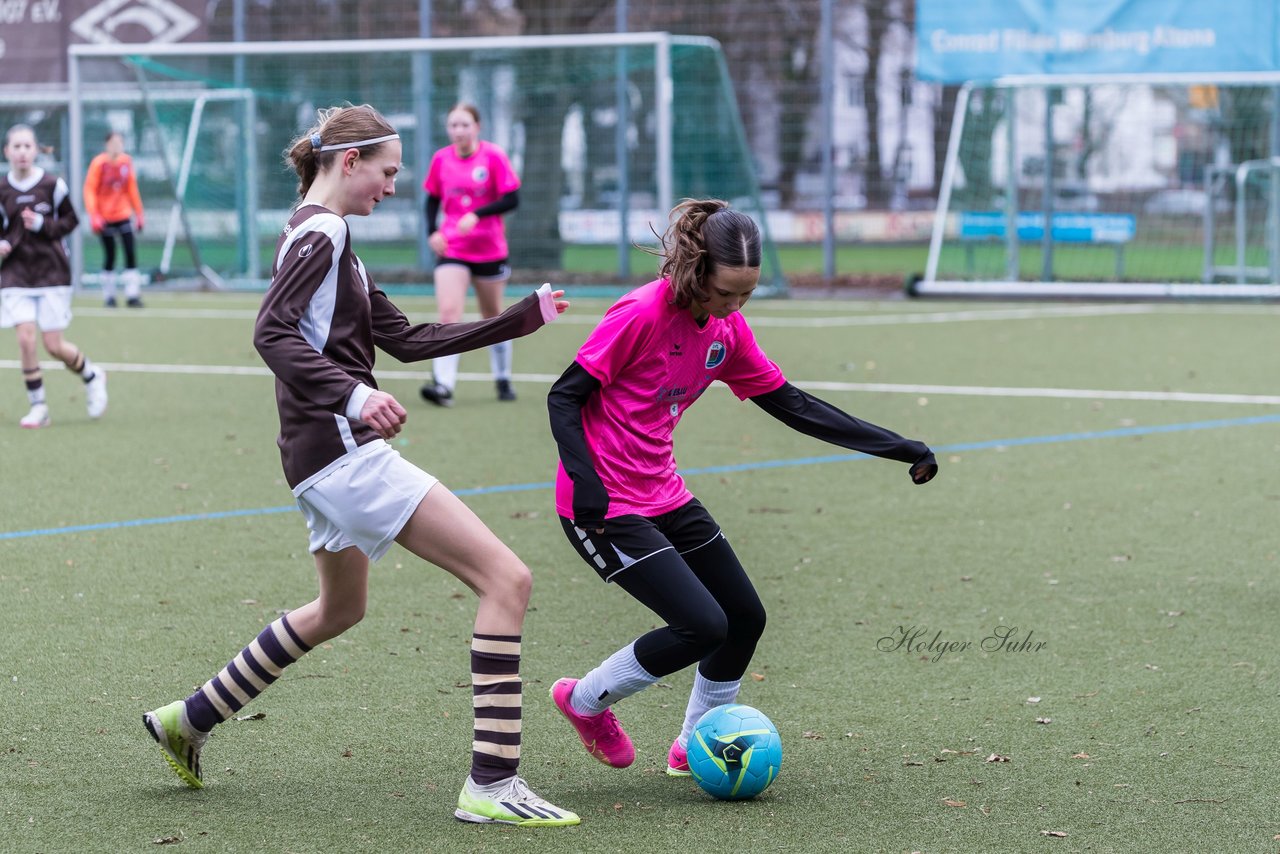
{"x": 1130, "y": 543}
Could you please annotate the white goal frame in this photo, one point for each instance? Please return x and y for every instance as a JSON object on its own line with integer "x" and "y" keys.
{"x": 660, "y": 42}
{"x": 930, "y": 285}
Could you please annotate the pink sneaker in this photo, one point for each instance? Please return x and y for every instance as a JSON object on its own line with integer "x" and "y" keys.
{"x": 600, "y": 734}
{"x": 677, "y": 760}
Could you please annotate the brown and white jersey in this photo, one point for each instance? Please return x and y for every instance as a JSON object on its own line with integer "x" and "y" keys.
{"x": 317, "y": 328}
{"x": 38, "y": 259}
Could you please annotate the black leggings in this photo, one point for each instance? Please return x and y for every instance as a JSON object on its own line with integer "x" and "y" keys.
{"x": 108, "y": 237}
{"x": 712, "y": 611}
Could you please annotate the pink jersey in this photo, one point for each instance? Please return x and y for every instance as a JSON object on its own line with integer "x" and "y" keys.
{"x": 465, "y": 183}
{"x": 653, "y": 361}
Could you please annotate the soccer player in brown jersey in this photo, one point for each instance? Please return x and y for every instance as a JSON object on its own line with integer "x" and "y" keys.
{"x": 35, "y": 273}
{"x": 319, "y": 322}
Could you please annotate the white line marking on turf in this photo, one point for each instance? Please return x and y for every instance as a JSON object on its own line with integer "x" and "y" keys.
{"x": 757, "y": 318}
{"x": 1067, "y": 393}
{"x": 816, "y": 385}
{"x": 1044, "y": 312}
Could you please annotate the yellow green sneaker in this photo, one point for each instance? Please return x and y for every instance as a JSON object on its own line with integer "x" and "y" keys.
{"x": 179, "y": 741}
{"x": 510, "y": 801}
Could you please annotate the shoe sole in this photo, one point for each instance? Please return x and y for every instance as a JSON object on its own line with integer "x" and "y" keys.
{"x": 39, "y": 426}
{"x": 156, "y": 730}
{"x": 463, "y": 815}
{"x": 676, "y": 772}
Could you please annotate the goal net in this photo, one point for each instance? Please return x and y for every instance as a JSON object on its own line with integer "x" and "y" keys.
{"x": 607, "y": 132}
{"x": 1129, "y": 187}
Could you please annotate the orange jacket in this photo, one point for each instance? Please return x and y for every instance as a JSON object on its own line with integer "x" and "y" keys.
{"x": 111, "y": 191}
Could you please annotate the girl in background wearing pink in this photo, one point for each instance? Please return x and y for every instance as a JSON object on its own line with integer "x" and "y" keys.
{"x": 472, "y": 183}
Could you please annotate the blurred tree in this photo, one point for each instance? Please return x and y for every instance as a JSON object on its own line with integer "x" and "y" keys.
{"x": 535, "y": 232}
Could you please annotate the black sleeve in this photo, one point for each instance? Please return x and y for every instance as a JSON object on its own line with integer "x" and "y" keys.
{"x": 507, "y": 202}
{"x": 807, "y": 414}
{"x": 564, "y": 404}
{"x": 433, "y": 211}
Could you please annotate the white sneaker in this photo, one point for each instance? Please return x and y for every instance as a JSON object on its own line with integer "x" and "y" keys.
{"x": 35, "y": 419}
{"x": 510, "y": 801}
{"x": 96, "y": 393}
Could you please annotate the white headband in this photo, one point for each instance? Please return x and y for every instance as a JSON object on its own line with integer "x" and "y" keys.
{"x": 316, "y": 146}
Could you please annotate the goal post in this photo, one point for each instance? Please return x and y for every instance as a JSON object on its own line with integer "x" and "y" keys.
{"x": 1125, "y": 186}
{"x": 606, "y": 131}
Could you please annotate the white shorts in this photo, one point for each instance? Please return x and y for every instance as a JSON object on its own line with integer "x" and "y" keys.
{"x": 364, "y": 503}
{"x": 49, "y": 308}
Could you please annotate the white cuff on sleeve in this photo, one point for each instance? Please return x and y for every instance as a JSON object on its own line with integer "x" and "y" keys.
{"x": 38, "y": 224}
{"x": 547, "y": 303}
{"x": 357, "y": 401}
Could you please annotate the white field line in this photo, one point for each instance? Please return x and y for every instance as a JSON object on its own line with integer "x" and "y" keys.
{"x": 1061, "y": 393}
{"x": 757, "y": 318}
{"x": 815, "y": 385}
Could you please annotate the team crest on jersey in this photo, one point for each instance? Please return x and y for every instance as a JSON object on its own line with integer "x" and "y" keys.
{"x": 480, "y": 174}
{"x": 715, "y": 354}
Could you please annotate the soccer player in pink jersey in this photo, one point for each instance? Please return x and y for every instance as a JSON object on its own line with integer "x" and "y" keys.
{"x": 623, "y": 505}
{"x": 317, "y": 328}
{"x": 472, "y": 183}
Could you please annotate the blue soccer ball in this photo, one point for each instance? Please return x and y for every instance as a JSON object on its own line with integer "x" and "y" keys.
{"x": 735, "y": 752}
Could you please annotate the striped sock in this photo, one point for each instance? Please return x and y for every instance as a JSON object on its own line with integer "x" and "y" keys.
{"x": 245, "y": 676}
{"x": 35, "y": 385}
{"x": 495, "y": 689}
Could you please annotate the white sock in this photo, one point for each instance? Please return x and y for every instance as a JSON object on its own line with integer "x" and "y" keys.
{"x": 500, "y": 360}
{"x": 132, "y": 283}
{"x": 445, "y": 370}
{"x": 108, "y": 280}
{"x": 617, "y": 677}
{"x": 88, "y": 371}
{"x": 706, "y": 695}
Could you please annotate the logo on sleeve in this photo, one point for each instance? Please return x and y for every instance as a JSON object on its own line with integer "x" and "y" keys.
{"x": 715, "y": 355}
{"x": 305, "y": 250}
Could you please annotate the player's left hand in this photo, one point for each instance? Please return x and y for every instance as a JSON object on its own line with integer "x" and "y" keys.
{"x": 32, "y": 220}
{"x": 139, "y": 224}
{"x": 467, "y": 222}
{"x": 384, "y": 414}
{"x": 5, "y": 248}
{"x": 562, "y": 305}
{"x": 924, "y": 469}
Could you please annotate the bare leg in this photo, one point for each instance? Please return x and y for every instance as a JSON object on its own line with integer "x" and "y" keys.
{"x": 451, "y": 296}
{"x": 489, "y": 294}
{"x": 344, "y": 592}
{"x": 446, "y": 532}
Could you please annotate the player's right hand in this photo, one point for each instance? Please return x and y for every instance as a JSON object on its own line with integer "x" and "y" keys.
{"x": 384, "y": 414}
{"x": 437, "y": 243}
{"x": 97, "y": 223}
{"x": 5, "y": 248}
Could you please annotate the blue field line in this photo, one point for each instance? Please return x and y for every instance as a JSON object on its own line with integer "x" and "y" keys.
{"x": 1119, "y": 432}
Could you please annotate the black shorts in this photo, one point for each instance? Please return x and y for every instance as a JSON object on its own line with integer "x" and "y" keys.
{"x": 491, "y": 270}
{"x": 627, "y": 540}
{"x": 118, "y": 228}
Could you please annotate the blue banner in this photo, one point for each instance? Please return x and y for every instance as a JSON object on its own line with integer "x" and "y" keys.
{"x": 985, "y": 39}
